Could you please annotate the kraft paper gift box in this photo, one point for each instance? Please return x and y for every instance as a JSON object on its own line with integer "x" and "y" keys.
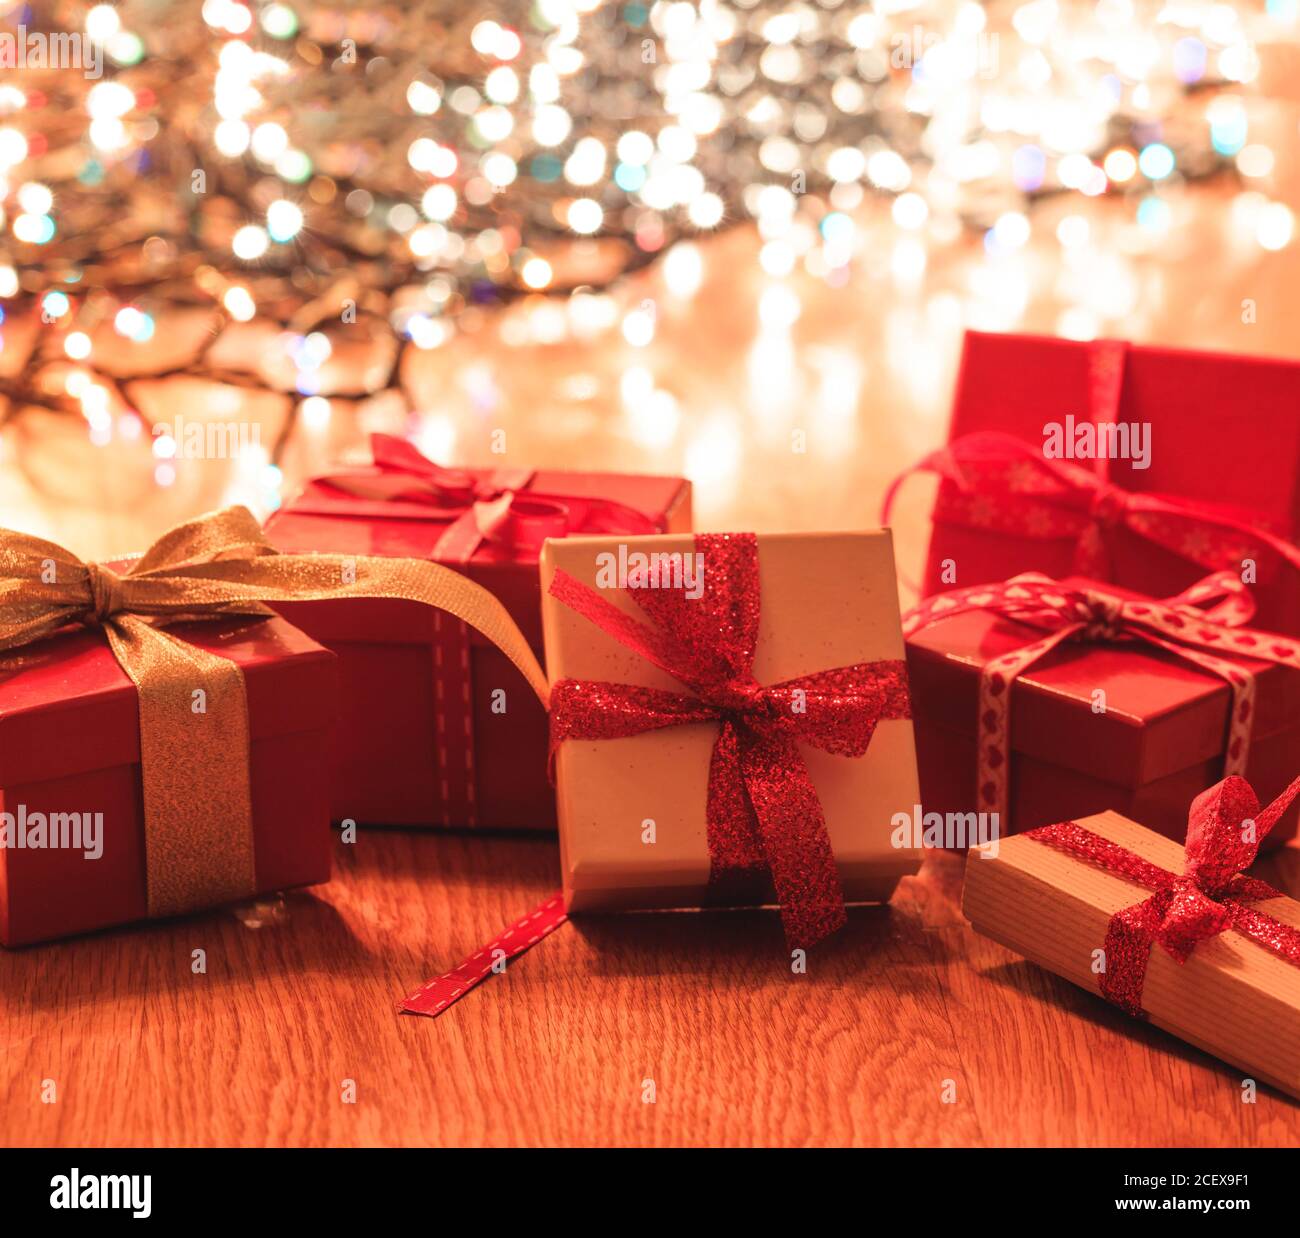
{"x": 1224, "y": 436}
{"x": 435, "y": 726}
{"x": 1177, "y": 937}
{"x": 1162, "y": 737}
{"x": 824, "y": 601}
{"x": 70, "y": 743}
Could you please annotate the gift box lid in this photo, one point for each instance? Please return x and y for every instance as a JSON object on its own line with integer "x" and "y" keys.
{"x": 67, "y": 707}
{"x": 1162, "y": 713}
{"x": 325, "y": 520}
{"x": 1208, "y": 412}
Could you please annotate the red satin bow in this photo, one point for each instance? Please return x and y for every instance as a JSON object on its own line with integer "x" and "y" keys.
{"x": 1001, "y": 484}
{"x": 497, "y": 507}
{"x": 1224, "y": 829}
{"x": 763, "y": 812}
{"x": 1177, "y": 625}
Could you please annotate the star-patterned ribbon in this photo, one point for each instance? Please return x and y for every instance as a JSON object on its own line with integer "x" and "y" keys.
{"x": 1225, "y": 827}
{"x": 997, "y": 483}
{"x": 1208, "y": 617}
{"x": 763, "y": 812}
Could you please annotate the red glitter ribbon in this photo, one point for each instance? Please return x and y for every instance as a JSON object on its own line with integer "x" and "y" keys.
{"x": 500, "y": 507}
{"x": 1224, "y": 829}
{"x": 763, "y": 813}
{"x": 1179, "y": 625}
{"x": 997, "y": 483}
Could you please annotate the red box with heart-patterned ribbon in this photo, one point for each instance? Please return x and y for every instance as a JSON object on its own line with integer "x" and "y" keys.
{"x": 1105, "y": 720}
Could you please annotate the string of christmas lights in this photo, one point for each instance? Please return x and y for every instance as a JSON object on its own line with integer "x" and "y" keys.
{"x": 398, "y": 171}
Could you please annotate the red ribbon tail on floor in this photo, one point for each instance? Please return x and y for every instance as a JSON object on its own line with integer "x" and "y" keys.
{"x": 436, "y": 995}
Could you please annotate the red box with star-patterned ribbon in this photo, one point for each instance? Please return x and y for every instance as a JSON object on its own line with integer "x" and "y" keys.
{"x": 1200, "y": 472}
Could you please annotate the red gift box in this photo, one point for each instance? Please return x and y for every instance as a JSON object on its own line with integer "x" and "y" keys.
{"x": 1224, "y": 436}
{"x": 70, "y": 743}
{"x": 436, "y": 727}
{"x": 1160, "y": 740}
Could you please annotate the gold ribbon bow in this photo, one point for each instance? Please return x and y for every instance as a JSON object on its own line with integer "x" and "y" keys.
{"x": 194, "y": 762}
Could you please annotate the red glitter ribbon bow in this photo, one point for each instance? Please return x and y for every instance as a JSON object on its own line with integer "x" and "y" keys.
{"x": 499, "y": 507}
{"x": 1224, "y": 829}
{"x": 1177, "y": 624}
{"x": 763, "y": 812}
{"x": 1002, "y": 484}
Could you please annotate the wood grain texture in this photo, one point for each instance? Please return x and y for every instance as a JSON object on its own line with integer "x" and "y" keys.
{"x": 299, "y": 998}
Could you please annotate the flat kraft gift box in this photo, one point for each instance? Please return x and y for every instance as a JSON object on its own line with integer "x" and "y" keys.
{"x": 742, "y": 736}
{"x": 435, "y": 726}
{"x": 1221, "y": 482}
{"x": 1182, "y": 938}
{"x": 1123, "y": 714}
{"x": 70, "y": 744}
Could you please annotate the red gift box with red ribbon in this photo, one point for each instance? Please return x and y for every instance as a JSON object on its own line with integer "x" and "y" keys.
{"x": 1208, "y": 474}
{"x": 436, "y": 727}
{"x": 1040, "y": 699}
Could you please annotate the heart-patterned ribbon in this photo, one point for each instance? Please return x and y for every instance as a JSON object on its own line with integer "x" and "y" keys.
{"x": 1225, "y": 827}
{"x": 763, "y": 812}
{"x": 197, "y": 806}
{"x": 997, "y": 483}
{"x": 499, "y": 507}
{"x": 1196, "y": 625}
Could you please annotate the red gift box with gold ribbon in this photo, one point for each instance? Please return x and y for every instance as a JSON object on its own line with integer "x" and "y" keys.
{"x": 1040, "y": 699}
{"x": 436, "y": 727}
{"x": 1200, "y": 473}
{"x": 172, "y": 758}
{"x": 70, "y": 743}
